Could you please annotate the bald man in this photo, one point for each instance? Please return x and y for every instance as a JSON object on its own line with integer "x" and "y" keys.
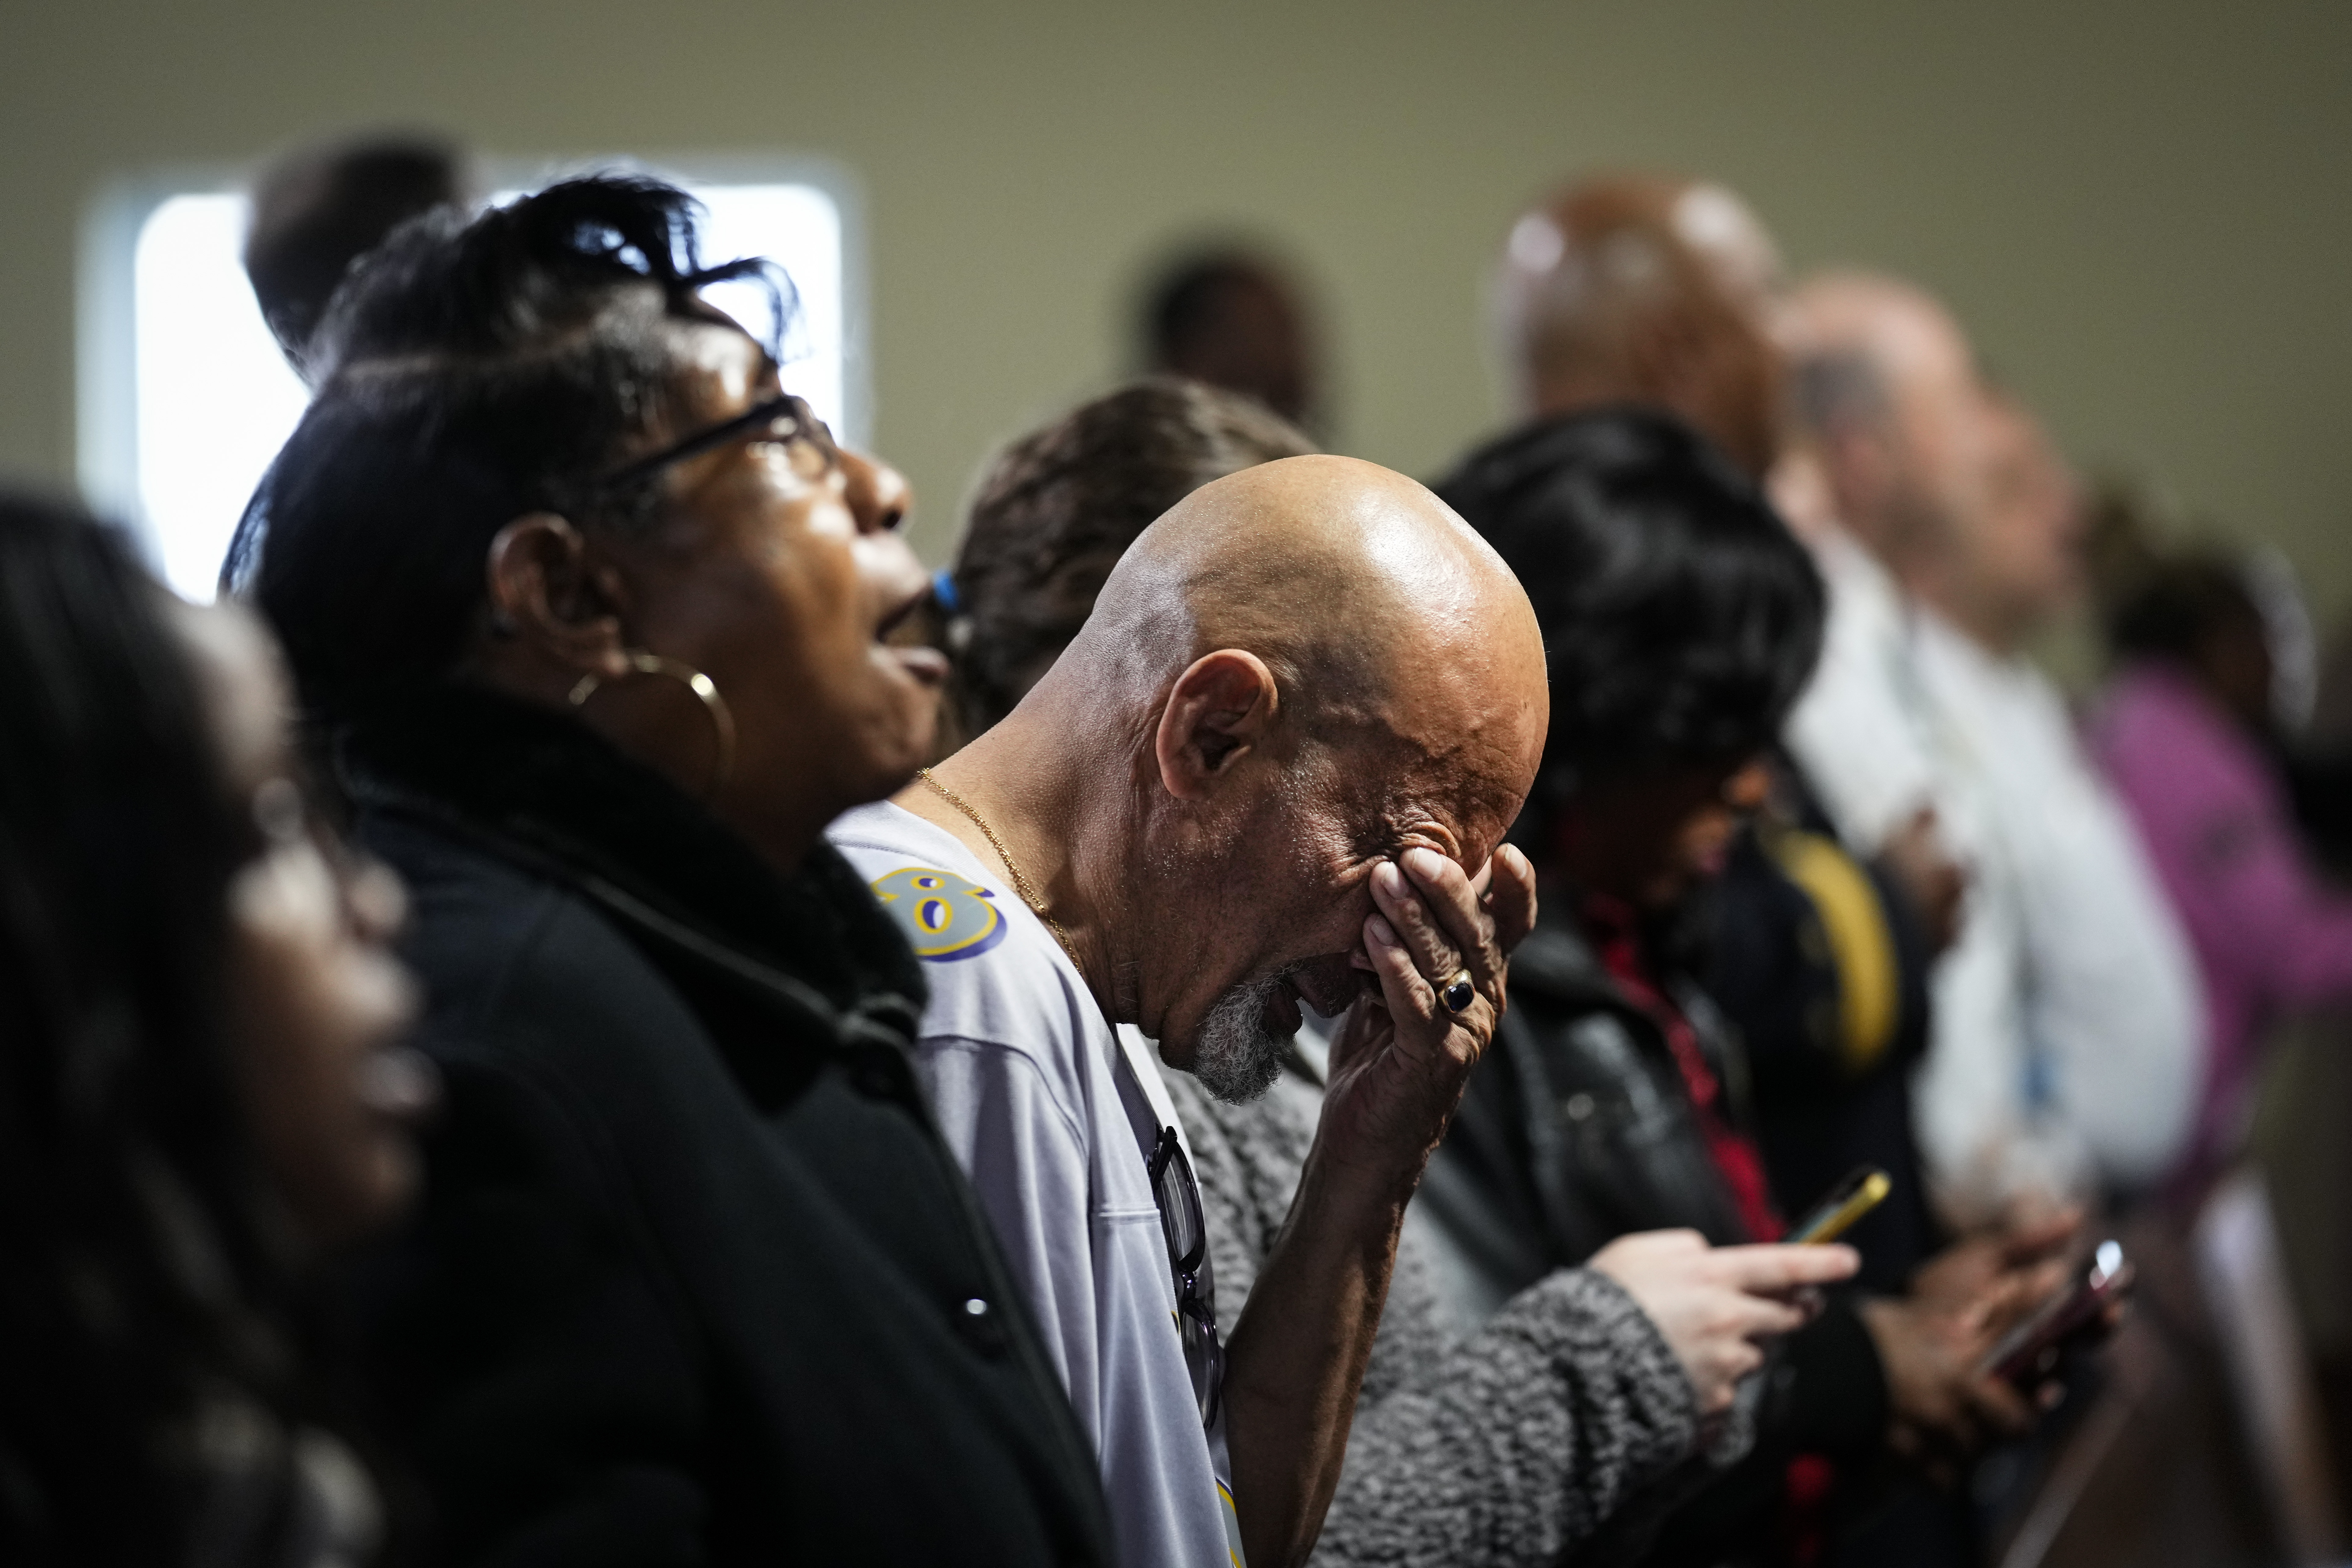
{"x": 2064, "y": 1035}
{"x": 1652, "y": 290}
{"x": 1272, "y": 771}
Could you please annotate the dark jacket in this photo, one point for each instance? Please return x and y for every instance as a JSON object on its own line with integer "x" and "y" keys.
{"x": 694, "y": 1279}
{"x": 1577, "y": 1129}
{"x": 1830, "y": 1004}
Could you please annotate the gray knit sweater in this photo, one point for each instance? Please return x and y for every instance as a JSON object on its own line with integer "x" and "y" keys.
{"x": 1513, "y": 1446}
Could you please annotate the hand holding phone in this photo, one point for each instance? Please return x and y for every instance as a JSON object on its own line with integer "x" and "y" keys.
{"x": 2029, "y": 1353}
{"x": 1863, "y": 1190}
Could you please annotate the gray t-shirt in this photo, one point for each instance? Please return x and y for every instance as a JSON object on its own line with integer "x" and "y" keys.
{"x": 1053, "y": 1122}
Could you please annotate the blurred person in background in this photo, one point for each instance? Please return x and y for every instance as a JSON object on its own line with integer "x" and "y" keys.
{"x": 2065, "y": 1033}
{"x": 2319, "y": 756}
{"x": 200, "y": 1098}
{"x": 319, "y": 209}
{"x": 591, "y": 616}
{"x": 1681, "y": 620}
{"x": 1652, "y": 290}
{"x": 1659, "y": 292}
{"x": 1516, "y": 1444}
{"x": 2187, "y": 729}
{"x": 1237, "y": 319}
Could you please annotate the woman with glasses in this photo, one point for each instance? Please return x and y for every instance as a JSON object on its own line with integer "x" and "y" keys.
{"x": 199, "y": 1095}
{"x": 593, "y": 620}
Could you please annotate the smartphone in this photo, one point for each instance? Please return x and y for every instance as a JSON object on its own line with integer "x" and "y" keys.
{"x": 1863, "y": 1190}
{"x": 2028, "y": 1352}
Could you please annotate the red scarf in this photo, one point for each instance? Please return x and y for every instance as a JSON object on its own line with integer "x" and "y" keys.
{"x": 1616, "y": 935}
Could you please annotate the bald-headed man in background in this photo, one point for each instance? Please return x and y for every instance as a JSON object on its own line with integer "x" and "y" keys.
{"x": 1271, "y": 773}
{"x": 2065, "y": 1022}
{"x": 1662, "y": 292}
{"x": 1646, "y": 290}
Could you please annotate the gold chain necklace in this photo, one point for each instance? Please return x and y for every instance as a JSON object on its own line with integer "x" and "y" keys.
{"x": 1020, "y": 883}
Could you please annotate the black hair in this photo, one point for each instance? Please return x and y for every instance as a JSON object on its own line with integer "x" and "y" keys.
{"x": 1196, "y": 320}
{"x": 1058, "y": 508}
{"x": 138, "y": 1277}
{"x": 321, "y": 208}
{"x": 2170, "y": 608}
{"x": 471, "y": 371}
{"x": 1188, "y": 297}
{"x": 1680, "y": 618}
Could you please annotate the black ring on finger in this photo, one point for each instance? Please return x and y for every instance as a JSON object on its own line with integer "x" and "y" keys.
{"x": 1457, "y": 993}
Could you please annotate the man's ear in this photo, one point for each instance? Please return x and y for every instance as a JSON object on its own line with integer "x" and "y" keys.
{"x": 546, "y": 592}
{"x": 1860, "y": 462}
{"x": 1219, "y": 710}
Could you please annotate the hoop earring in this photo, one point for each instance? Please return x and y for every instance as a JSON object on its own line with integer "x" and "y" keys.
{"x": 706, "y": 690}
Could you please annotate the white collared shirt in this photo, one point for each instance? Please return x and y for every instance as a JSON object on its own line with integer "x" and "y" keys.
{"x": 2064, "y": 1043}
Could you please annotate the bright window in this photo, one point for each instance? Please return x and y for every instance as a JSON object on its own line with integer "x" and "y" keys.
{"x": 186, "y": 399}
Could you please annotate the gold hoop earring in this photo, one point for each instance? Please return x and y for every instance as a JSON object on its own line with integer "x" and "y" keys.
{"x": 706, "y": 690}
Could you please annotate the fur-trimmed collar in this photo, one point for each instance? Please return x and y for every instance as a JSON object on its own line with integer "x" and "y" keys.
{"x": 547, "y": 788}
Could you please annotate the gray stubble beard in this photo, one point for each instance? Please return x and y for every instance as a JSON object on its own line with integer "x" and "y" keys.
{"x": 1238, "y": 1057}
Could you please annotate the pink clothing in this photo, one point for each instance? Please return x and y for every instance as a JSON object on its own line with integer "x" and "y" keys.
{"x": 2270, "y": 935}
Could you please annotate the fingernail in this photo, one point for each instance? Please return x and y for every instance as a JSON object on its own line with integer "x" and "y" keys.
{"x": 1381, "y": 931}
{"x": 1426, "y": 864}
{"x": 1389, "y": 880}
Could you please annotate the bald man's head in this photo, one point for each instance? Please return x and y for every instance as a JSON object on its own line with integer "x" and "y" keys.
{"x": 1300, "y": 670}
{"x": 1889, "y": 394}
{"x": 1385, "y": 620}
{"x": 1652, "y": 291}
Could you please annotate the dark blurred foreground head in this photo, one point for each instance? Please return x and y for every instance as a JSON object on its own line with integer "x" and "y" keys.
{"x": 1236, "y": 319}
{"x": 194, "y": 1004}
{"x": 319, "y": 209}
{"x": 538, "y": 462}
{"x": 1680, "y": 621}
{"x": 1060, "y": 505}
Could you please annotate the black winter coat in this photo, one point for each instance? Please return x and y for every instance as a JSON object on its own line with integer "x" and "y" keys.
{"x": 694, "y": 1280}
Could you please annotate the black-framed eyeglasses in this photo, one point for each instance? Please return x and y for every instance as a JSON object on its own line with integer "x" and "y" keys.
{"x": 1177, "y": 1194}
{"x": 783, "y": 418}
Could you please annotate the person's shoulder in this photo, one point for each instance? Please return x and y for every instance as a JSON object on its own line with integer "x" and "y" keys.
{"x": 995, "y": 976}
{"x": 521, "y": 973}
{"x": 938, "y": 895}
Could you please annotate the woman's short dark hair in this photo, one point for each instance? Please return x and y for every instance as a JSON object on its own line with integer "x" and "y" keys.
{"x": 1680, "y": 616}
{"x": 2174, "y": 603}
{"x": 469, "y": 372}
{"x": 1059, "y": 507}
{"x": 136, "y": 1276}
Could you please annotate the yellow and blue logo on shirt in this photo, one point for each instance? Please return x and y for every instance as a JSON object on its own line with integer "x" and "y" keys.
{"x": 945, "y": 917}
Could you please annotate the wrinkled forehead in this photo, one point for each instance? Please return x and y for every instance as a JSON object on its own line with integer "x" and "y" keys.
{"x": 1393, "y": 786}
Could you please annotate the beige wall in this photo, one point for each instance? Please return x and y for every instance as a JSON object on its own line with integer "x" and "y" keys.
{"x": 2144, "y": 211}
